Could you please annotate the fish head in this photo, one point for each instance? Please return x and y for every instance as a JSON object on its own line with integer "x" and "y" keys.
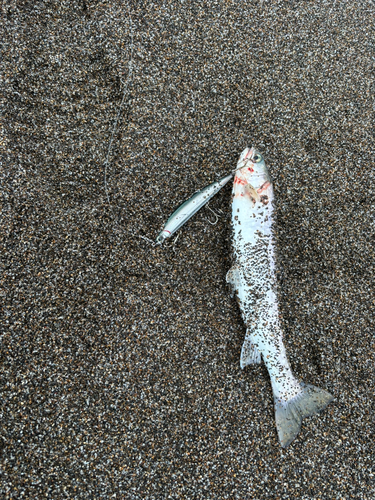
{"x": 251, "y": 176}
{"x": 251, "y": 166}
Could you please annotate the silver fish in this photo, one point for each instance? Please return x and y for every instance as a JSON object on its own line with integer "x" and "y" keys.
{"x": 253, "y": 279}
{"x": 191, "y": 207}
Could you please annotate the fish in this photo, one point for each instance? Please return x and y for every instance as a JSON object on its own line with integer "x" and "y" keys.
{"x": 253, "y": 280}
{"x": 190, "y": 207}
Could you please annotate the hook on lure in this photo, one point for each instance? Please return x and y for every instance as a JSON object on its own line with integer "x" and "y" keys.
{"x": 215, "y": 214}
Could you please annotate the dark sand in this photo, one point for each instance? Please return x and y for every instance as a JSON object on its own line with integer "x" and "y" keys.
{"x": 120, "y": 361}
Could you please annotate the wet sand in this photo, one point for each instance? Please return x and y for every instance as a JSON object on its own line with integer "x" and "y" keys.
{"x": 120, "y": 373}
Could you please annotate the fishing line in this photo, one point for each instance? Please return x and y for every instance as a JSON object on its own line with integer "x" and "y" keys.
{"x": 126, "y": 85}
{"x": 120, "y": 108}
{"x": 153, "y": 244}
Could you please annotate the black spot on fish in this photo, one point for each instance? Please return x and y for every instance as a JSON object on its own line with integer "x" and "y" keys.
{"x": 264, "y": 199}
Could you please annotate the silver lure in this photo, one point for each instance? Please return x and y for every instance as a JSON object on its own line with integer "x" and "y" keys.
{"x": 254, "y": 281}
{"x": 190, "y": 207}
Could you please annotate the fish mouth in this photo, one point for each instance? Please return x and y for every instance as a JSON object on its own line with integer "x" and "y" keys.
{"x": 247, "y": 154}
{"x": 245, "y": 158}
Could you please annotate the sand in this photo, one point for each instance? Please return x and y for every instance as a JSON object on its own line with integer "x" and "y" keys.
{"x": 120, "y": 373}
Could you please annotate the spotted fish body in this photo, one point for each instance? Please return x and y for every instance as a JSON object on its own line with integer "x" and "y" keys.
{"x": 254, "y": 281}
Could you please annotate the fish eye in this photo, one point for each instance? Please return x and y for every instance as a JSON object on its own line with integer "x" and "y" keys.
{"x": 257, "y": 158}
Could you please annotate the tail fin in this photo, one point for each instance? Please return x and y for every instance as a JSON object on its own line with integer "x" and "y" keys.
{"x": 289, "y": 414}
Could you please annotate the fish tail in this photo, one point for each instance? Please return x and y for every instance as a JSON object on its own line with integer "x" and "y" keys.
{"x": 289, "y": 414}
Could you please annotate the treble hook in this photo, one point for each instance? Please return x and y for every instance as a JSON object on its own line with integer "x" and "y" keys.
{"x": 174, "y": 243}
{"x": 215, "y": 214}
{"x": 153, "y": 244}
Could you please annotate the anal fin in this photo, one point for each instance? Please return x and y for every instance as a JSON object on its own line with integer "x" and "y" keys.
{"x": 234, "y": 277}
{"x": 249, "y": 353}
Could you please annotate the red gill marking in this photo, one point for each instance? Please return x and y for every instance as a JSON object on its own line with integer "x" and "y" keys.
{"x": 237, "y": 180}
{"x": 263, "y": 187}
{"x": 166, "y": 231}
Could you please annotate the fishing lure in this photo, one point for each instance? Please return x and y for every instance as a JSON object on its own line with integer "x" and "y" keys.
{"x": 190, "y": 207}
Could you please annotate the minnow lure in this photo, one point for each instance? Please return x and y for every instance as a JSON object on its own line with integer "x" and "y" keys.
{"x": 254, "y": 282}
{"x": 191, "y": 207}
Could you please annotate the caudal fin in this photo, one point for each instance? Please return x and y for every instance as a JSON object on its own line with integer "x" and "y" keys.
{"x": 289, "y": 414}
